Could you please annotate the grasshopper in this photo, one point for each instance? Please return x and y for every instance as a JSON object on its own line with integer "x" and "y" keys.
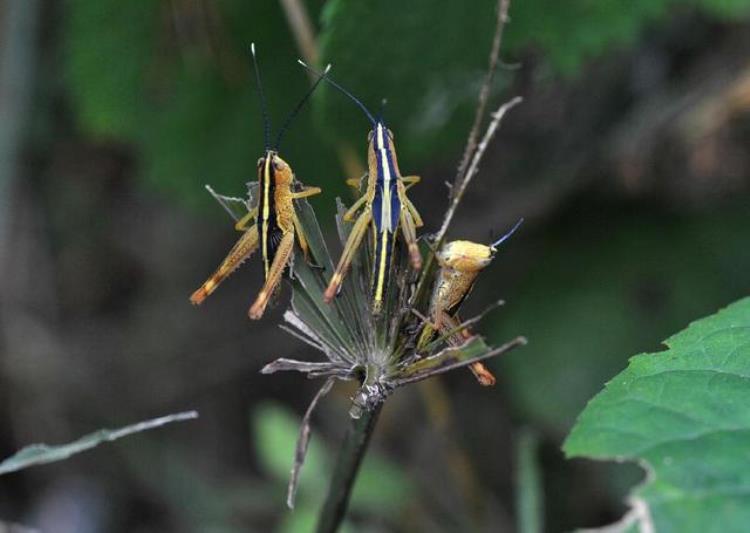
{"x": 385, "y": 207}
{"x": 460, "y": 264}
{"x": 272, "y": 224}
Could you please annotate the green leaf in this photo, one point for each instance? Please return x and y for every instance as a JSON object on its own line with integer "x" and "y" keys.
{"x": 730, "y": 9}
{"x": 108, "y": 49}
{"x": 428, "y": 58}
{"x": 175, "y": 80}
{"x": 684, "y": 412}
{"x": 38, "y": 454}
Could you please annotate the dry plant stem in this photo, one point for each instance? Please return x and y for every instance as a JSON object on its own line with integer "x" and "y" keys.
{"x": 484, "y": 93}
{"x": 302, "y": 443}
{"x": 302, "y": 29}
{"x": 349, "y": 459}
{"x": 460, "y": 189}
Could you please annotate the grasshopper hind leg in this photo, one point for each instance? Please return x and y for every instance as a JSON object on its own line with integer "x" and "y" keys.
{"x": 275, "y": 272}
{"x": 347, "y": 256}
{"x": 243, "y": 248}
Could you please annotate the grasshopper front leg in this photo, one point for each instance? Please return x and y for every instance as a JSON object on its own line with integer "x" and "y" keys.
{"x": 347, "y": 256}
{"x": 356, "y": 183}
{"x": 410, "y": 181}
{"x": 243, "y": 248}
{"x": 349, "y": 215}
{"x": 306, "y": 192}
{"x": 300, "y": 232}
{"x": 302, "y": 239}
{"x": 243, "y": 224}
{"x": 280, "y": 261}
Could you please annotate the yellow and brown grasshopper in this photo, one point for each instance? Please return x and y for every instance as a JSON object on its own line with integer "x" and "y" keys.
{"x": 460, "y": 264}
{"x": 272, "y": 224}
{"x": 385, "y": 207}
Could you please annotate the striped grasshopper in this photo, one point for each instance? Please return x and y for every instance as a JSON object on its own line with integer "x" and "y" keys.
{"x": 460, "y": 264}
{"x": 272, "y": 223}
{"x": 385, "y": 207}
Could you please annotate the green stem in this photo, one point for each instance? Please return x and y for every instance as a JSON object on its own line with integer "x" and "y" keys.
{"x": 350, "y": 457}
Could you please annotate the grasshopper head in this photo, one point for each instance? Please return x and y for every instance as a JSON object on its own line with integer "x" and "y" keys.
{"x": 380, "y": 137}
{"x": 278, "y": 169}
{"x": 465, "y": 256}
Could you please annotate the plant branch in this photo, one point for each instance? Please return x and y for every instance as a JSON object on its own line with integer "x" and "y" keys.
{"x": 302, "y": 29}
{"x": 460, "y": 189}
{"x": 497, "y": 117}
{"x": 349, "y": 459}
{"x": 472, "y": 152}
{"x": 484, "y": 94}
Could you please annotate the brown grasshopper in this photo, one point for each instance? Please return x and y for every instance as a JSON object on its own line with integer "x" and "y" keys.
{"x": 385, "y": 207}
{"x": 460, "y": 264}
{"x": 272, "y": 224}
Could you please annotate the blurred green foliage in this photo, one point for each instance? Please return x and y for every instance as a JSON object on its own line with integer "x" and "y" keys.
{"x": 178, "y": 85}
{"x": 381, "y": 489}
{"x": 175, "y": 79}
{"x": 601, "y": 292}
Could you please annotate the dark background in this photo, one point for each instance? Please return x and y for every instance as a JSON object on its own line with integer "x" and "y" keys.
{"x": 628, "y": 158}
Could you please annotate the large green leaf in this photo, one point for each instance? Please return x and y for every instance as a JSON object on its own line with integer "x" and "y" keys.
{"x": 175, "y": 81}
{"x": 429, "y": 57}
{"x": 173, "y": 78}
{"x": 684, "y": 412}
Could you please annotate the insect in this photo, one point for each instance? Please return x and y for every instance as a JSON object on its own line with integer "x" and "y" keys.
{"x": 460, "y": 264}
{"x": 272, "y": 224}
{"x": 385, "y": 207}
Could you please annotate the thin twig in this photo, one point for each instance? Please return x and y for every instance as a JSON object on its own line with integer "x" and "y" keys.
{"x": 349, "y": 459}
{"x": 470, "y": 160}
{"x": 460, "y": 189}
{"x": 484, "y": 94}
{"x": 302, "y": 442}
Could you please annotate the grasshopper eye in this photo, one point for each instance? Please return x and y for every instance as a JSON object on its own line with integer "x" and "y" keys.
{"x": 390, "y": 134}
{"x": 370, "y": 136}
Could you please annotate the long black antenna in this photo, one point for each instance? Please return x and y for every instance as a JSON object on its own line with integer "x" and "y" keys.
{"x": 263, "y": 106}
{"x": 297, "y": 109}
{"x": 502, "y": 239}
{"x": 340, "y": 88}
